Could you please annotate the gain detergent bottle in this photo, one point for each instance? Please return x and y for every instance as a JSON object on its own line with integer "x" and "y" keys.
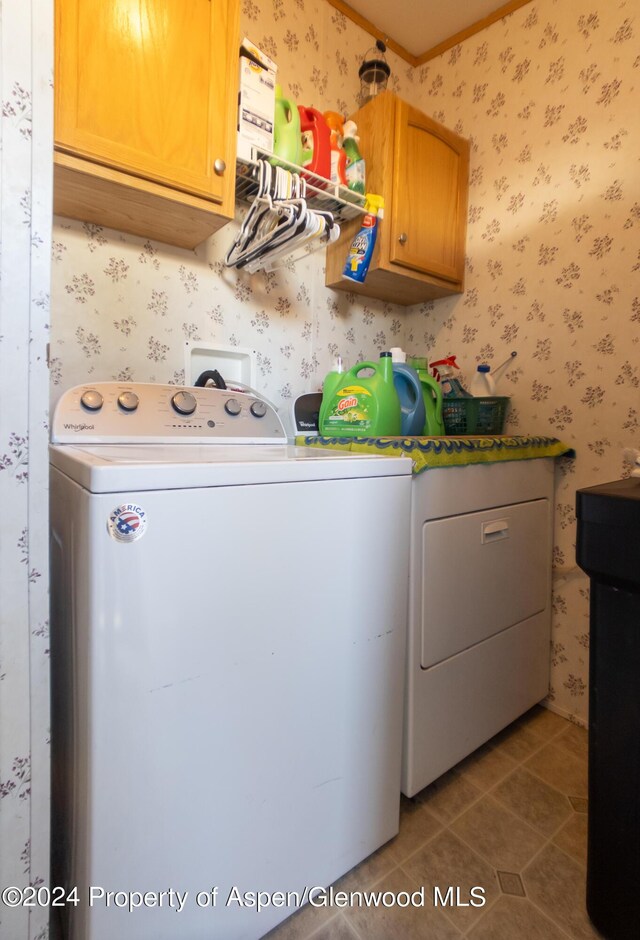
{"x": 367, "y": 406}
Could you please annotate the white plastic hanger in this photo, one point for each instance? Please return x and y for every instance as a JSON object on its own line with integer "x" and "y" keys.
{"x": 278, "y": 222}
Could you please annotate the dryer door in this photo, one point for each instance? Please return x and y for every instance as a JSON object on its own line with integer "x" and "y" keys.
{"x": 482, "y": 573}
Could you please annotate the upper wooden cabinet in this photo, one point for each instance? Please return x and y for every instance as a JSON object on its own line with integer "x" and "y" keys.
{"x": 145, "y": 115}
{"x": 422, "y": 170}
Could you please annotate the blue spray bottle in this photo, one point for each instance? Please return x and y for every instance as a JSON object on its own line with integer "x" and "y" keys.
{"x": 361, "y": 251}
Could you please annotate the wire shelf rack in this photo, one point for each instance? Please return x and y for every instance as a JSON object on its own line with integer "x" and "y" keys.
{"x": 322, "y": 194}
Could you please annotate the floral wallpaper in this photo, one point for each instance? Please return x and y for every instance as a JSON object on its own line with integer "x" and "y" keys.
{"x": 548, "y": 98}
{"x": 25, "y": 240}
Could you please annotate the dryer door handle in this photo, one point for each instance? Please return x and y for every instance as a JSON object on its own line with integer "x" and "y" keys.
{"x": 495, "y": 530}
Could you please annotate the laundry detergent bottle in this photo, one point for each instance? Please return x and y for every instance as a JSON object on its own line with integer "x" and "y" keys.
{"x": 409, "y": 391}
{"x": 360, "y": 253}
{"x": 432, "y": 397}
{"x": 338, "y": 155}
{"x": 354, "y": 405}
{"x": 316, "y": 142}
{"x": 287, "y": 141}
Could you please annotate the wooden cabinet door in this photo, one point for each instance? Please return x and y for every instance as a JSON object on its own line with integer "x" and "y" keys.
{"x": 429, "y": 203}
{"x": 145, "y": 86}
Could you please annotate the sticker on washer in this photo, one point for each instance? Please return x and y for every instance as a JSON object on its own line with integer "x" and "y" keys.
{"x": 127, "y": 523}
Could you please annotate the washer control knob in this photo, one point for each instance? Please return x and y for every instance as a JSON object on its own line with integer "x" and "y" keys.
{"x": 92, "y": 400}
{"x": 128, "y": 401}
{"x": 258, "y": 409}
{"x": 184, "y": 403}
{"x": 232, "y": 406}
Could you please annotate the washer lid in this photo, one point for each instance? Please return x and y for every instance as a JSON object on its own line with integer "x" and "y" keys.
{"x": 114, "y": 468}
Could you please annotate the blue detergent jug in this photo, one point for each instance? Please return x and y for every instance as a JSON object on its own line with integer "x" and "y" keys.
{"x": 409, "y": 391}
{"x": 432, "y": 395}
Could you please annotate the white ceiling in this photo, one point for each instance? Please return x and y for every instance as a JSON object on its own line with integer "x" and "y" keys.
{"x": 419, "y": 25}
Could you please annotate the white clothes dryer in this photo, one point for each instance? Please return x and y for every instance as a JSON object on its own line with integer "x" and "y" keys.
{"x": 479, "y": 609}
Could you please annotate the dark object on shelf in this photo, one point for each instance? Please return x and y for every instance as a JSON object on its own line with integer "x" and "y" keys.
{"x": 608, "y": 550}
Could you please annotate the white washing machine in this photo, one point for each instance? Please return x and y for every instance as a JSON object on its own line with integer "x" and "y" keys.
{"x": 227, "y": 639}
{"x": 478, "y": 648}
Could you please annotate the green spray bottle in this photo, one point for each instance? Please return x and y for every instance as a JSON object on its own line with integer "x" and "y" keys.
{"x": 355, "y": 169}
{"x": 361, "y": 406}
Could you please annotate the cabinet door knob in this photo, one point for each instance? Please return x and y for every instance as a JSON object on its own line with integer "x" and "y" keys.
{"x": 219, "y": 166}
{"x": 402, "y": 238}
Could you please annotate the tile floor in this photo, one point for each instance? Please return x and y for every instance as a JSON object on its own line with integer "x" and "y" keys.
{"x": 511, "y": 818}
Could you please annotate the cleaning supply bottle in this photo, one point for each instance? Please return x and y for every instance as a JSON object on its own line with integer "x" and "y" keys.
{"x": 287, "y": 142}
{"x": 361, "y": 250}
{"x": 316, "y": 142}
{"x": 356, "y": 170}
{"x": 432, "y": 396}
{"x": 361, "y": 406}
{"x": 443, "y": 371}
{"x": 482, "y": 384}
{"x": 409, "y": 391}
{"x": 338, "y": 154}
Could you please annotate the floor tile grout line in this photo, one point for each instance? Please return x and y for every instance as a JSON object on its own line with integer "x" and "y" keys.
{"x": 472, "y": 926}
{"x": 537, "y": 776}
{"x": 419, "y": 848}
{"x": 547, "y": 913}
{"x": 352, "y": 927}
{"x": 550, "y": 917}
{"x": 321, "y": 926}
{"x": 559, "y": 733}
{"x": 537, "y": 749}
{"x": 482, "y": 793}
{"x": 507, "y": 773}
{"x": 532, "y": 860}
{"x": 545, "y": 835}
{"x": 559, "y": 829}
{"x": 484, "y": 912}
{"x": 488, "y": 862}
{"x": 517, "y": 726}
{"x": 568, "y": 854}
{"x": 530, "y": 770}
{"x": 566, "y": 795}
{"x": 448, "y": 919}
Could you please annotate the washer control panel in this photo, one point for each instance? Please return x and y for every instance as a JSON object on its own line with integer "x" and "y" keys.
{"x": 115, "y": 412}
